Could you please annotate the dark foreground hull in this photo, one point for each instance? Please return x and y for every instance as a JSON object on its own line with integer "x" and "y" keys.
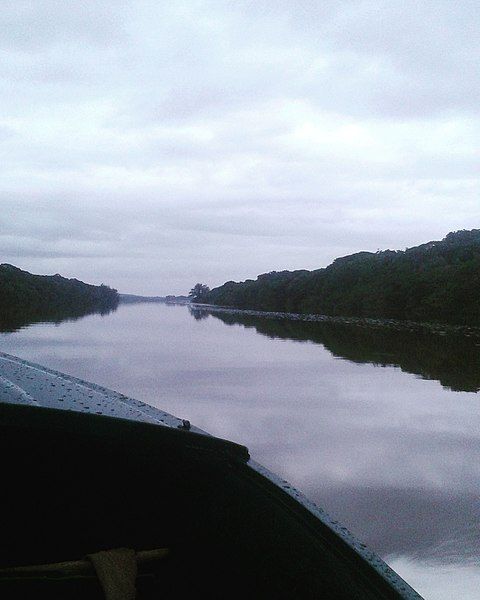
{"x": 76, "y": 483}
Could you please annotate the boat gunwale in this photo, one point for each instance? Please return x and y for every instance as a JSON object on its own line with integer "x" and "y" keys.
{"x": 297, "y": 501}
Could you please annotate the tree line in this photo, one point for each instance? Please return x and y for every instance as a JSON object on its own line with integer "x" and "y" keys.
{"x": 22, "y": 292}
{"x": 435, "y": 282}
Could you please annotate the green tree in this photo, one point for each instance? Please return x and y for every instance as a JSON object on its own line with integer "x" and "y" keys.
{"x": 199, "y": 293}
{"x": 436, "y": 282}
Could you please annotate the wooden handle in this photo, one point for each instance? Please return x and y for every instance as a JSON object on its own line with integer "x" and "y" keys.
{"x": 79, "y": 567}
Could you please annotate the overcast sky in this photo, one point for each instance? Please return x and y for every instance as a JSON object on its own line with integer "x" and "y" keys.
{"x": 151, "y": 145}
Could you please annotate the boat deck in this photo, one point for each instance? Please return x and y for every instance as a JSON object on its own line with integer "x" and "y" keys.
{"x": 23, "y": 382}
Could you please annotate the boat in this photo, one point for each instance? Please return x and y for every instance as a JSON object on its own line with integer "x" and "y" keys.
{"x": 104, "y": 496}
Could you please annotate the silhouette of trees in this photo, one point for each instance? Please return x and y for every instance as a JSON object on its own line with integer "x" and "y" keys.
{"x": 22, "y": 292}
{"x": 199, "y": 293}
{"x": 435, "y": 282}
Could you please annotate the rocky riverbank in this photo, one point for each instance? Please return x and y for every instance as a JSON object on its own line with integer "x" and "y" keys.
{"x": 391, "y": 324}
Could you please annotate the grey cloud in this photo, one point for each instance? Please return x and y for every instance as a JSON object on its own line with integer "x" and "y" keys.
{"x": 22, "y": 248}
{"x": 6, "y": 133}
{"x": 31, "y": 26}
{"x": 397, "y": 59}
{"x": 217, "y": 140}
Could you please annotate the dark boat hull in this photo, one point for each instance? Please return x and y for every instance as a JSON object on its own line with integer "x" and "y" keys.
{"x": 75, "y": 483}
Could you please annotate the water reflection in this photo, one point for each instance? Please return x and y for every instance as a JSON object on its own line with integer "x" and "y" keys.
{"x": 433, "y": 525}
{"x": 453, "y": 360}
{"x": 198, "y": 314}
{"x": 387, "y": 450}
{"x": 15, "y": 319}
{"x": 395, "y": 458}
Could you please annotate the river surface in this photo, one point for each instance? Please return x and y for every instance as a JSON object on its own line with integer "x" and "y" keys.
{"x": 380, "y": 428}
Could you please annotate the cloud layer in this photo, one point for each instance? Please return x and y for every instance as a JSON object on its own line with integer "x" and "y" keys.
{"x": 152, "y": 145}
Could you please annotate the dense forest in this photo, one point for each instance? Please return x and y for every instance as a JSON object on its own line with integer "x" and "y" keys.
{"x": 436, "y": 282}
{"x": 24, "y": 296}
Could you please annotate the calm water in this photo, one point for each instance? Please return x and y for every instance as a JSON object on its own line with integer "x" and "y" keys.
{"x": 382, "y": 429}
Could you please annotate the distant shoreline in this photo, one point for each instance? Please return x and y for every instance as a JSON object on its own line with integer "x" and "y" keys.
{"x": 413, "y": 326}
{"x": 134, "y": 299}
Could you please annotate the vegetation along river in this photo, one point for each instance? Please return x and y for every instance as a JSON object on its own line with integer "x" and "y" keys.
{"x": 381, "y": 427}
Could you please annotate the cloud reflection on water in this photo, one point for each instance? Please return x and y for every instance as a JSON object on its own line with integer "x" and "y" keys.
{"x": 392, "y": 455}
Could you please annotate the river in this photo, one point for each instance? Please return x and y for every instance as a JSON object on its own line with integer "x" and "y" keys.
{"x": 380, "y": 428}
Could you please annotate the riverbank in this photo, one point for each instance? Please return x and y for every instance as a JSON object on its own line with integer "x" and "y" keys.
{"x": 391, "y": 324}
{"x": 434, "y": 282}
